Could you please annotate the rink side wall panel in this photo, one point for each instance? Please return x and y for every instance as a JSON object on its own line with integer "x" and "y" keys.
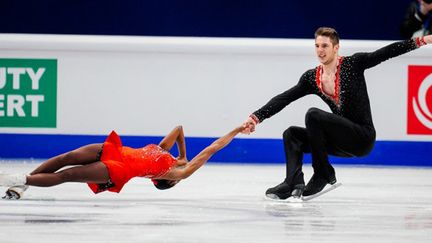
{"x": 59, "y": 92}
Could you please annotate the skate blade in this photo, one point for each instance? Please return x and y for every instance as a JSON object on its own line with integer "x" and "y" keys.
{"x": 325, "y": 190}
{"x": 274, "y": 198}
{"x": 12, "y": 195}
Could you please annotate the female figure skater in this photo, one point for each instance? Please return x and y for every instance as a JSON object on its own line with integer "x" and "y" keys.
{"x": 110, "y": 165}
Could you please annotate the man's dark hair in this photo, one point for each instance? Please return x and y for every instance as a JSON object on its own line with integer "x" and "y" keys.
{"x": 328, "y": 32}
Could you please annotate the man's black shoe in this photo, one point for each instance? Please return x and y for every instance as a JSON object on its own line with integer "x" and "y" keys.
{"x": 284, "y": 191}
{"x": 281, "y": 191}
{"x": 317, "y": 184}
{"x": 297, "y": 191}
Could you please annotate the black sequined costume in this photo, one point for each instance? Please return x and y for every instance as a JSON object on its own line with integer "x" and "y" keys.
{"x": 347, "y": 131}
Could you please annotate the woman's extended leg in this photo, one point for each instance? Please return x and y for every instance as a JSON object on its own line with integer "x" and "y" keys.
{"x": 95, "y": 172}
{"x": 80, "y": 156}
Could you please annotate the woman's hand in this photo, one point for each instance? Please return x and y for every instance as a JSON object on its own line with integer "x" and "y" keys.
{"x": 248, "y": 126}
{"x": 428, "y": 39}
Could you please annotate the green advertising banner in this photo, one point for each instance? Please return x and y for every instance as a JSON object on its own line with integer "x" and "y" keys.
{"x": 28, "y": 92}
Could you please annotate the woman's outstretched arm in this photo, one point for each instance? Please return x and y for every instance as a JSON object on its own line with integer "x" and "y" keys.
{"x": 202, "y": 157}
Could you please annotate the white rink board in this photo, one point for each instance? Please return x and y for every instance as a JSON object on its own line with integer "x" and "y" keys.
{"x": 146, "y": 85}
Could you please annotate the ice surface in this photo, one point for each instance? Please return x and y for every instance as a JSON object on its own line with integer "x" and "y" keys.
{"x": 225, "y": 203}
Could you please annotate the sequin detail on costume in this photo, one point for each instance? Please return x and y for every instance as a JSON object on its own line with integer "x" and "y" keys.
{"x": 125, "y": 163}
{"x": 151, "y": 161}
{"x": 353, "y": 100}
{"x": 336, "y": 97}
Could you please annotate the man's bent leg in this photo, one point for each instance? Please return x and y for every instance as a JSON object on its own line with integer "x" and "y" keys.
{"x": 295, "y": 142}
{"x": 332, "y": 134}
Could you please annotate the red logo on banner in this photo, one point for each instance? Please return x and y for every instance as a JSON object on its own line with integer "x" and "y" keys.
{"x": 419, "y": 100}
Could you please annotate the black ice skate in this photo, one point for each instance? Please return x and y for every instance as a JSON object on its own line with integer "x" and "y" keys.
{"x": 298, "y": 190}
{"x": 317, "y": 184}
{"x": 284, "y": 191}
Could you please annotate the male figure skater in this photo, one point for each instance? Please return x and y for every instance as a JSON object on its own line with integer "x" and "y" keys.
{"x": 347, "y": 131}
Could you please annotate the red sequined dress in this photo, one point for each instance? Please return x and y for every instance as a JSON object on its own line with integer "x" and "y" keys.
{"x": 125, "y": 163}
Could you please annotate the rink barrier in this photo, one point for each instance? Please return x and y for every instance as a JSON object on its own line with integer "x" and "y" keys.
{"x": 256, "y": 151}
{"x": 99, "y": 83}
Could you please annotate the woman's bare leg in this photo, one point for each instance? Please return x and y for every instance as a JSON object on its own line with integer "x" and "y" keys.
{"x": 95, "y": 172}
{"x": 85, "y": 155}
{"x": 80, "y": 156}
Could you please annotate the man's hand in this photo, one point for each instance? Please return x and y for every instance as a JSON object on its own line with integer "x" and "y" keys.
{"x": 249, "y": 126}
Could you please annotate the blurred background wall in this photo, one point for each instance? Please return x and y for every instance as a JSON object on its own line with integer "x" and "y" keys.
{"x": 367, "y": 19}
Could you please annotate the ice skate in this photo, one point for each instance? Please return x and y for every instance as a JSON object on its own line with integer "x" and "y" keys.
{"x": 284, "y": 191}
{"x": 15, "y": 192}
{"x": 317, "y": 184}
{"x": 327, "y": 188}
{"x": 12, "y": 179}
{"x": 298, "y": 190}
{"x": 281, "y": 191}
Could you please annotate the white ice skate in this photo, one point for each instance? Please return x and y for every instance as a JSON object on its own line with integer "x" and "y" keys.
{"x": 12, "y": 179}
{"x": 15, "y": 192}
